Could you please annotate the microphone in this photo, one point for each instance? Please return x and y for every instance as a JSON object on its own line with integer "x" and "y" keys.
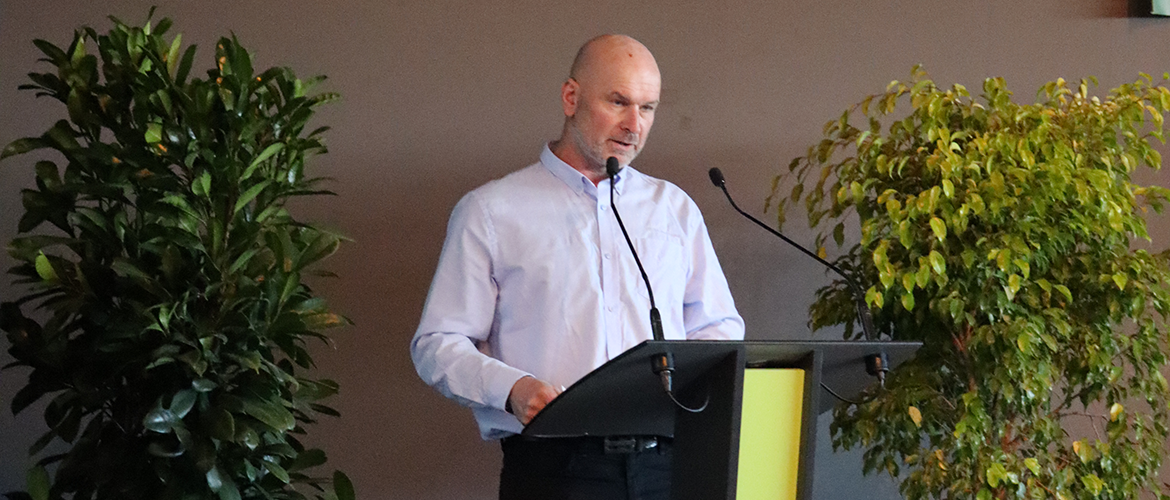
{"x": 875, "y": 364}
{"x": 662, "y": 364}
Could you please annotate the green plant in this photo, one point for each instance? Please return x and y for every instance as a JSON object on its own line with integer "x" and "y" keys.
{"x": 173, "y": 313}
{"x": 999, "y": 235}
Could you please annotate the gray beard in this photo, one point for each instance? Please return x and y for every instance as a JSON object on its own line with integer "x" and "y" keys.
{"x": 595, "y": 163}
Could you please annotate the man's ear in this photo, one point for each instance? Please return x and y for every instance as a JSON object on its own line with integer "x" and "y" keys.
{"x": 570, "y": 94}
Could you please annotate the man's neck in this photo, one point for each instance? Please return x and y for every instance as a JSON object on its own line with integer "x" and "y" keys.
{"x": 573, "y": 158}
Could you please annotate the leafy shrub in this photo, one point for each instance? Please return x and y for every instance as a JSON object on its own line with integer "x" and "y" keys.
{"x": 999, "y": 235}
{"x": 170, "y": 281}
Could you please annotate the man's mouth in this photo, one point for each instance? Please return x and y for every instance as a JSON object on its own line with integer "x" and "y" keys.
{"x": 623, "y": 143}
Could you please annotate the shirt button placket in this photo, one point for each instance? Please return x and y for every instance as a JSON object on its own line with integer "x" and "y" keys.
{"x": 611, "y": 279}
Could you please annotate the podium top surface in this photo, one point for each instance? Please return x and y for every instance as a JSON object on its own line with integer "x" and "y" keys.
{"x": 625, "y": 397}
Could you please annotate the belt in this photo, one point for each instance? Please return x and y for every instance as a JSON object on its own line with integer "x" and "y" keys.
{"x": 608, "y": 445}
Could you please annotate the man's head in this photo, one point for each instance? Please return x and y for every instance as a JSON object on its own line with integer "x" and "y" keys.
{"x": 609, "y": 102}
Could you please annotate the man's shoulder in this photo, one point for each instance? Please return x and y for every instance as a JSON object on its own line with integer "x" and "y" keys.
{"x": 532, "y": 176}
{"x": 663, "y": 189}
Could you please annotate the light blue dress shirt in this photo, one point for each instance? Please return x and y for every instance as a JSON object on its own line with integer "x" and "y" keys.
{"x": 536, "y": 279}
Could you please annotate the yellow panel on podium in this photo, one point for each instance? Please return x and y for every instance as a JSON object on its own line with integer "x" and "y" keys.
{"x": 769, "y": 439}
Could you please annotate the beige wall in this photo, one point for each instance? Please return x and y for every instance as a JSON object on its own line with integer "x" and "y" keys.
{"x": 441, "y": 96}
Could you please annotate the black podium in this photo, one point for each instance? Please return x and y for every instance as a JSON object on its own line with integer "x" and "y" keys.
{"x": 624, "y": 397}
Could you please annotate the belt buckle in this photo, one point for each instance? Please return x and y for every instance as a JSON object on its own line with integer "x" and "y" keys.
{"x": 620, "y": 445}
{"x": 648, "y": 444}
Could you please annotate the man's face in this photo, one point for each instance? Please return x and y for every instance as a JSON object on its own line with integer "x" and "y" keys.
{"x": 610, "y": 111}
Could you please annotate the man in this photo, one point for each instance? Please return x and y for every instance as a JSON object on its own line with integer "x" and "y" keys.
{"x": 536, "y": 286}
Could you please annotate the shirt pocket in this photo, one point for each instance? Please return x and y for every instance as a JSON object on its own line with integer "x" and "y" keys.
{"x": 663, "y": 256}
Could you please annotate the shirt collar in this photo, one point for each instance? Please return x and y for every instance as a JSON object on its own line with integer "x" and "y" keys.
{"x": 576, "y": 180}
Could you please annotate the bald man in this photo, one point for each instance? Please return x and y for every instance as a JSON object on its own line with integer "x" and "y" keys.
{"x": 536, "y": 287}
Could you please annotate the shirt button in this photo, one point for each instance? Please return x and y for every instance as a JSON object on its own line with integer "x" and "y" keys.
{"x": 603, "y": 207}
{"x": 611, "y": 308}
{"x": 607, "y": 256}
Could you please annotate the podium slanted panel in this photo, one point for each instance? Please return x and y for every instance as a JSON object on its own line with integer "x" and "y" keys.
{"x": 765, "y": 392}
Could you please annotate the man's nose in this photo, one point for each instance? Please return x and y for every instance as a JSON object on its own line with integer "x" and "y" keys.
{"x": 632, "y": 120}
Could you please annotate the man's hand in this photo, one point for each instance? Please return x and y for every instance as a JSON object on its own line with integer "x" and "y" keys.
{"x": 530, "y": 395}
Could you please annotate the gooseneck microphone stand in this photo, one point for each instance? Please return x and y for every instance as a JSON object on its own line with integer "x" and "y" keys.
{"x": 661, "y": 364}
{"x": 875, "y": 364}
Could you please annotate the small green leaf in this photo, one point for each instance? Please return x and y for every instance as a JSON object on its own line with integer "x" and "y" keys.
{"x": 56, "y": 55}
{"x": 937, "y": 262}
{"x": 153, "y": 133}
{"x": 160, "y": 420}
{"x": 996, "y": 474}
{"x": 183, "y": 402}
{"x": 1064, "y": 291}
{"x": 1013, "y": 286}
{"x": 276, "y": 470}
{"x": 264, "y": 155}
{"x": 307, "y": 459}
{"x": 1023, "y": 266}
{"x": 1093, "y": 483}
{"x": 1033, "y": 465}
{"x": 202, "y": 184}
{"x": 273, "y": 414}
{"x": 1120, "y": 279}
{"x": 908, "y": 281}
{"x": 203, "y": 385}
{"x": 22, "y": 146}
{"x": 45, "y": 268}
{"x": 873, "y": 297}
{"x": 250, "y": 195}
{"x": 908, "y": 301}
{"x": 939, "y": 227}
{"x": 173, "y": 54}
{"x": 220, "y": 424}
{"x": 38, "y": 483}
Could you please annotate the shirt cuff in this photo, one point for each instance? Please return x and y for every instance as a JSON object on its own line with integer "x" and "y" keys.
{"x": 499, "y": 385}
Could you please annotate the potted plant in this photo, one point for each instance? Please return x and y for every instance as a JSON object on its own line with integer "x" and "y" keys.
{"x": 1004, "y": 237}
{"x": 166, "y": 315}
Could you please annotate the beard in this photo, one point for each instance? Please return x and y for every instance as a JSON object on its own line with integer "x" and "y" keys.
{"x": 595, "y": 154}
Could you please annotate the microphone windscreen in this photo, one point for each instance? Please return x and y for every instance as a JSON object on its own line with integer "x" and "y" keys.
{"x": 611, "y": 166}
{"x": 716, "y": 177}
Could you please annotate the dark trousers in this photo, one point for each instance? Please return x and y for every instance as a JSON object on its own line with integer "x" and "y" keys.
{"x": 586, "y": 468}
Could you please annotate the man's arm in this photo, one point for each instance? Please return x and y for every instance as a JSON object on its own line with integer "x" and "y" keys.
{"x": 708, "y": 310}
{"x": 458, "y": 315}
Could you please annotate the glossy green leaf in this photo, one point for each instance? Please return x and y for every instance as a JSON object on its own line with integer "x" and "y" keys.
{"x": 272, "y": 414}
{"x": 21, "y": 146}
{"x": 45, "y": 268}
{"x": 153, "y": 133}
{"x": 268, "y": 152}
{"x": 342, "y": 486}
{"x": 939, "y": 227}
{"x": 938, "y": 263}
{"x": 250, "y": 195}
{"x": 1120, "y": 279}
{"x": 161, "y": 420}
